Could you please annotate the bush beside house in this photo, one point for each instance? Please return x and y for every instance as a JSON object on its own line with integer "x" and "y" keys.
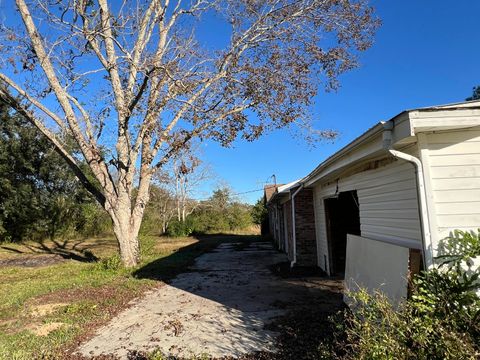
{"x": 441, "y": 319}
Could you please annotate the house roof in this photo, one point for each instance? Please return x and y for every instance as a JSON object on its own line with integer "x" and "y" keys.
{"x": 286, "y": 188}
{"x": 408, "y": 123}
{"x": 283, "y": 190}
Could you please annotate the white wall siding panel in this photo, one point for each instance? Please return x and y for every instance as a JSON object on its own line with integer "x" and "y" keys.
{"x": 458, "y": 221}
{"x": 458, "y": 159}
{"x": 459, "y": 171}
{"x": 457, "y": 195}
{"x": 471, "y": 183}
{"x": 453, "y": 158}
{"x": 455, "y": 148}
{"x": 458, "y": 208}
{"x": 388, "y": 203}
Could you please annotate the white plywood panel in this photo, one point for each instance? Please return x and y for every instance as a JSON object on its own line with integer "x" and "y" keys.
{"x": 376, "y": 266}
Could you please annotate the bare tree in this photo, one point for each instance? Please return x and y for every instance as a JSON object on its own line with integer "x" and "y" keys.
{"x": 162, "y": 206}
{"x": 131, "y": 83}
{"x": 189, "y": 172}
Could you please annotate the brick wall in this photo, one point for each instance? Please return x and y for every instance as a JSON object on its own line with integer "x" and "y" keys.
{"x": 305, "y": 229}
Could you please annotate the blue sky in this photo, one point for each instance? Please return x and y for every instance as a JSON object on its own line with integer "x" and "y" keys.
{"x": 426, "y": 53}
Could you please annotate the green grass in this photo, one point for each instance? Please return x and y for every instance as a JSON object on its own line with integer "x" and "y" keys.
{"x": 92, "y": 292}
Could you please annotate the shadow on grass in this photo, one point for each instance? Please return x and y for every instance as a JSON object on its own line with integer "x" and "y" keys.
{"x": 166, "y": 268}
{"x": 66, "y": 249}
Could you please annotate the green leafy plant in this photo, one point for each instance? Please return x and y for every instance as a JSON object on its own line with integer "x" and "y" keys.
{"x": 112, "y": 263}
{"x": 441, "y": 319}
{"x": 178, "y": 228}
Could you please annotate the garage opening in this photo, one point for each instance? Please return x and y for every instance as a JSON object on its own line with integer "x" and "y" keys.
{"x": 342, "y": 217}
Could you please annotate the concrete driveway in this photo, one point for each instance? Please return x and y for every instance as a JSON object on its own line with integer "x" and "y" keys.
{"x": 221, "y": 307}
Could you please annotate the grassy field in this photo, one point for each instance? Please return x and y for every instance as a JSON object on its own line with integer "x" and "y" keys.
{"x": 54, "y": 294}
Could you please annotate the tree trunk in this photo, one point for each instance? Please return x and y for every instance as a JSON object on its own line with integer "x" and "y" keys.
{"x": 126, "y": 231}
{"x": 184, "y": 212}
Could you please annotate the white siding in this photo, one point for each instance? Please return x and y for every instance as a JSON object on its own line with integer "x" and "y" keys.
{"x": 453, "y": 161}
{"x": 388, "y": 205}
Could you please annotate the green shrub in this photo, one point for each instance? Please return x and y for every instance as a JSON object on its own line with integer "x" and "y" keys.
{"x": 441, "y": 320}
{"x": 377, "y": 330}
{"x": 93, "y": 220}
{"x": 178, "y": 228}
{"x": 112, "y": 263}
{"x": 259, "y": 212}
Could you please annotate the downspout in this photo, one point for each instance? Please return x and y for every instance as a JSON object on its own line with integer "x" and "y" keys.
{"x": 422, "y": 197}
{"x": 294, "y": 237}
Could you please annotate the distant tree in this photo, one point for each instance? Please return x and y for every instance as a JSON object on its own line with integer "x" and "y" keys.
{"x": 132, "y": 83}
{"x": 160, "y": 210}
{"x": 475, "y": 94}
{"x": 221, "y": 199}
{"x": 259, "y": 212}
{"x": 188, "y": 173}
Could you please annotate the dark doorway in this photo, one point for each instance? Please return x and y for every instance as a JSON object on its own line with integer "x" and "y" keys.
{"x": 342, "y": 218}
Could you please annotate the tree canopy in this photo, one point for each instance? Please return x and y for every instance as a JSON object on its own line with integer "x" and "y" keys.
{"x": 132, "y": 82}
{"x": 39, "y": 195}
{"x": 475, "y": 94}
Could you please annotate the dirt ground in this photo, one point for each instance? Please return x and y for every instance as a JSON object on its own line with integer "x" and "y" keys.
{"x": 231, "y": 303}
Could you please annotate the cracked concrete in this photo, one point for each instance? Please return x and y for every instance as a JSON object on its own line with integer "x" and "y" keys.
{"x": 220, "y": 307}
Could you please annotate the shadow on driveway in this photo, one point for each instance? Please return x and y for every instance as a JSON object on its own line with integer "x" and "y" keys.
{"x": 228, "y": 303}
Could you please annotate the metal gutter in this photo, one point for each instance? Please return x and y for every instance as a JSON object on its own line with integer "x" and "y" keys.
{"x": 294, "y": 236}
{"x": 422, "y": 197}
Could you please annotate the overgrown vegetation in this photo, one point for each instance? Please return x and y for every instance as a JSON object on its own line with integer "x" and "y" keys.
{"x": 219, "y": 214}
{"x": 259, "y": 212}
{"x": 39, "y": 195}
{"x": 441, "y": 320}
{"x": 40, "y": 198}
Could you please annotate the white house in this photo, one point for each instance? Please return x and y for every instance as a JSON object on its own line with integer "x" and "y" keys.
{"x": 384, "y": 202}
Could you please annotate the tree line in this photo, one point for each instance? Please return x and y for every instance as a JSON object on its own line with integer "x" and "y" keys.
{"x": 41, "y": 198}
